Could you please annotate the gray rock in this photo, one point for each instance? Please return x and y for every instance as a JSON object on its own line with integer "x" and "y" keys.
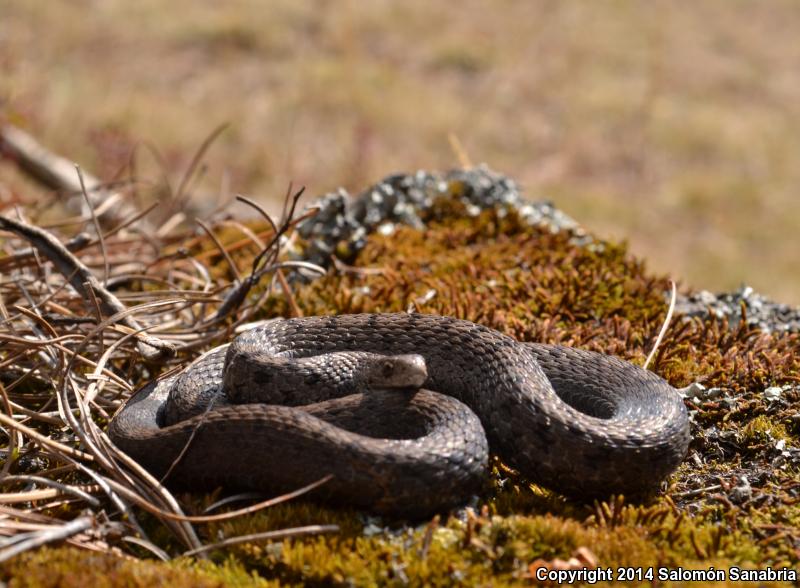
{"x": 757, "y": 310}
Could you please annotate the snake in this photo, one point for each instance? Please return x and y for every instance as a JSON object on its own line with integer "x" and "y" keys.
{"x": 398, "y": 414}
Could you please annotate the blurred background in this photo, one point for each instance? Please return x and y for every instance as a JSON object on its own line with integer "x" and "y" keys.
{"x": 672, "y": 125}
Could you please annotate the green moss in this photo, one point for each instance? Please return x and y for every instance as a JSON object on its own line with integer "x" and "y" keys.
{"x": 762, "y": 428}
{"x": 68, "y": 567}
{"x": 481, "y": 549}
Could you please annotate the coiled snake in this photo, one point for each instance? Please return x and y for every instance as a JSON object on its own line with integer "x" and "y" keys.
{"x": 581, "y": 423}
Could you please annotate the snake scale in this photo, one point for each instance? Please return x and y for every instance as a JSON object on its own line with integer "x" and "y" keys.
{"x": 581, "y": 423}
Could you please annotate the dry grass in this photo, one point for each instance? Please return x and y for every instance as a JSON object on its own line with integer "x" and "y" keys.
{"x": 69, "y": 355}
{"x": 672, "y": 126}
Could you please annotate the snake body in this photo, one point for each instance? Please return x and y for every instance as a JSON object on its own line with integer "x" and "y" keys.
{"x": 582, "y": 423}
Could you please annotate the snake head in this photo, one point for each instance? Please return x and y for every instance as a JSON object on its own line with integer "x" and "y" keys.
{"x": 398, "y": 371}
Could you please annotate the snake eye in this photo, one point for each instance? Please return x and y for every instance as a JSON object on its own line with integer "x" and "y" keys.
{"x": 388, "y": 369}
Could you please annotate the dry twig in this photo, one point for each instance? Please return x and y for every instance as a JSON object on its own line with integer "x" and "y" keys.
{"x": 57, "y": 173}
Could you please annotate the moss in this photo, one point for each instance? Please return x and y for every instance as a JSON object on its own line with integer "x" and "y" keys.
{"x": 67, "y": 567}
{"x": 762, "y": 428}
{"x": 537, "y": 286}
{"x": 481, "y": 549}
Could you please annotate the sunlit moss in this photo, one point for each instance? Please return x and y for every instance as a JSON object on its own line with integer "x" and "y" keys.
{"x": 539, "y": 286}
{"x": 762, "y": 428}
{"x": 71, "y": 567}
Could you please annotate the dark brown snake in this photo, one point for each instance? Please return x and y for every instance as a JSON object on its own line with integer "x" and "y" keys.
{"x": 581, "y": 423}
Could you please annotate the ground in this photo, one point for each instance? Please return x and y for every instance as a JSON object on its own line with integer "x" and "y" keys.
{"x": 734, "y": 501}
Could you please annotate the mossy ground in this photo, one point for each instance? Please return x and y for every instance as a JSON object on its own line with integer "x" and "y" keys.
{"x": 538, "y": 286}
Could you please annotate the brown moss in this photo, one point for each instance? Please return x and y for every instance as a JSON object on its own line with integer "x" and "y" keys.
{"x": 537, "y": 286}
